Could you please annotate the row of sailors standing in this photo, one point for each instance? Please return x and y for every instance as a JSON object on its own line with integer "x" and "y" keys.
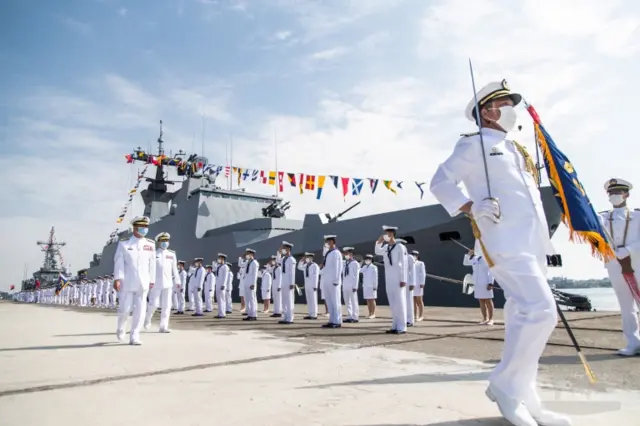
{"x": 84, "y": 293}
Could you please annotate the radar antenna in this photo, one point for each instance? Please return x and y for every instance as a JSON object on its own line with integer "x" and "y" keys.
{"x": 52, "y": 253}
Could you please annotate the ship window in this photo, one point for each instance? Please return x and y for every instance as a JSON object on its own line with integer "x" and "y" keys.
{"x": 452, "y": 235}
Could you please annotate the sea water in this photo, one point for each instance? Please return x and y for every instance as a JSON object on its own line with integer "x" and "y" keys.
{"x": 602, "y": 299}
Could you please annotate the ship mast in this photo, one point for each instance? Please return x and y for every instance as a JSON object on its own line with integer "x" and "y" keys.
{"x": 275, "y": 142}
{"x": 51, "y": 249}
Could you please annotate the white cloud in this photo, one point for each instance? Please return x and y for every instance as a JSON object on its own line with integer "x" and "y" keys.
{"x": 123, "y": 11}
{"x": 394, "y": 115}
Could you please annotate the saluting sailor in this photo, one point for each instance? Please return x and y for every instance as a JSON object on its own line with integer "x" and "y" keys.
{"x": 311, "y": 273}
{"x": 134, "y": 270}
{"x": 350, "y": 278}
{"x": 166, "y": 277}
{"x": 514, "y": 234}
{"x": 221, "y": 273}
{"x": 623, "y": 226}
{"x": 394, "y": 255}
{"x": 288, "y": 283}
{"x": 195, "y": 285}
{"x": 249, "y": 281}
{"x": 331, "y": 278}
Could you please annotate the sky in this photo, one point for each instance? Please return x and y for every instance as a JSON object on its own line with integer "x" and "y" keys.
{"x": 370, "y": 88}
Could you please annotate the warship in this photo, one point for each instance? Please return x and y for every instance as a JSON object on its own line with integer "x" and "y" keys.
{"x": 205, "y": 219}
{"x": 52, "y": 266}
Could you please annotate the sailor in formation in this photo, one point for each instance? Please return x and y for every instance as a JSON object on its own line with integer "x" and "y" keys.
{"x": 179, "y": 289}
{"x": 209, "y": 289}
{"x": 419, "y": 280}
{"x": 288, "y": 285}
{"x": 196, "y": 284}
{"x": 276, "y": 287}
{"x": 311, "y": 273}
{"x": 623, "y": 226}
{"x": 513, "y": 232}
{"x": 266, "y": 281}
{"x": 331, "y": 280}
{"x": 166, "y": 276}
{"x": 369, "y": 273}
{"x": 394, "y": 255}
{"x": 221, "y": 276}
{"x": 249, "y": 282}
{"x": 191, "y": 300}
{"x": 229, "y": 289}
{"x": 134, "y": 273}
{"x": 482, "y": 285}
{"x": 350, "y": 279}
{"x": 241, "y": 289}
{"x": 411, "y": 285}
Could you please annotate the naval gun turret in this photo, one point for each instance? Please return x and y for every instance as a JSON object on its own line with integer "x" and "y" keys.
{"x": 331, "y": 219}
{"x": 276, "y": 209}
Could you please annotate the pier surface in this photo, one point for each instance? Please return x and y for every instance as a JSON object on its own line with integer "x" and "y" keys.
{"x": 63, "y": 366}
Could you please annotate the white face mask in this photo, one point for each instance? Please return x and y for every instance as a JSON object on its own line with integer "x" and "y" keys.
{"x": 386, "y": 237}
{"x": 247, "y": 256}
{"x": 508, "y": 118}
{"x": 616, "y": 199}
{"x": 367, "y": 262}
{"x": 307, "y": 260}
{"x": 284, "y": 252}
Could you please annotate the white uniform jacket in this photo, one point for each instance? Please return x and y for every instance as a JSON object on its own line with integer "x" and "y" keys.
{"x": 222, "y": 273}
{"x": 615, "y": 222}
{"x": 250, "y": 274}
{"x": 369, "y": 276}
{"x": 288, "y": 272}
{"x": 523, "y": 226}
{"x": 135, "y": 264}
{"x": 311, "y": 273}
{"x": 166, "y": 268}
{"x": 421, "y": 273}
{"x": 351, "y": 274}
{"x": 332, "y": 271}
{"x": 395, "y": 263}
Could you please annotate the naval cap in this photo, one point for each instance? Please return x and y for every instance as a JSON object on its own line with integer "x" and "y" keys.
{"x": 273, "y": 257}
{"x": 368, "y": 256}
{"x": 389, "y": 228}
{"x": 140, "y": 221}
{"x": 181, "y": 262}
{"x": 308, "y": 254}
{"x": 494, "y": 90}
{"x": 222, "y": 255}
{"x": 616, "y": 183}
{"x": 250, "y": 250}
{"x": 209, "y": 267}
{"x": 163, "y": 236}
{"x": 330, "y": 237}
{"x": 228, "y": 264}
{"x": 347, "y": 248}
{"x": 416, "y": 252}
{"x": 198, "y": 259}
{"x": 287, "y": 244}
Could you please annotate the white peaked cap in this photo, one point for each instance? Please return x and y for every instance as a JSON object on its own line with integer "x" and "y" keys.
{"x": 347, "y": 248}
{"x": 163, "y": 236}
{"x": 616, "y": 183}
{"x": 140, "y": 220}
{"x": 326, "y": 237}
{"x": 389, "y": 228}
{"x": 287, "y": 244}
{"x": 497, "y": 89}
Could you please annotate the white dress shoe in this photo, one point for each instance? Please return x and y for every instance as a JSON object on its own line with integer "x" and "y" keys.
{"x": 147, "y": 325}
{"x": 542, "y": 416}
{"x": 629, "y": 351}
{"x": 135, "y": 343}
{"x": 120, "y": 335}
{"x": 164, "y": 330}
{"x": 511, "y": 409}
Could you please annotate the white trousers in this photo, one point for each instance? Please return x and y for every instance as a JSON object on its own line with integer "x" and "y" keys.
{"x": 332, "y": 297}
{"x": 311, "y": 296}
{"x": 288, "y": 303}
{"x": 227, "y": 292}
{"x": 351, "y": 301}
{"x": 221, "y": 299}
{"x": 398, "y": 305}
{"x": 251, "y": 301}
{"x": 628, "y": 305}
{"x": 174, "y": 298}
{"x": 530, "y": 318}
{"x": 195, "y": 298}
{"x": 409, "y": 303}
{"x": 209, "y": 294}
{"x": 277, "y": 299}
{"x": 159, "y": 296}
{"x": 134, "y": 301}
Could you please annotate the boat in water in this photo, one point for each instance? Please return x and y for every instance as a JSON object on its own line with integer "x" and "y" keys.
{"x": 52, "y": 267}
{"x": 205, "y": 219}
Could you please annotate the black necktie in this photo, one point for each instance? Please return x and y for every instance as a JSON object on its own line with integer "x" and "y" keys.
{"x": 389, "y": 254}
{"x": 307, "y": 272}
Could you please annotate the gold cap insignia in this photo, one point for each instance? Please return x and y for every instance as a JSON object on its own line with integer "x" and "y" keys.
{"x": 613, "y": 182}
{"x": 505, "y": 86}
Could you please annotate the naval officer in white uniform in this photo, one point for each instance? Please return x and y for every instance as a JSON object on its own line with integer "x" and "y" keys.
{"x": 515, "y": 235}
{"x": 623, "y": 226}
{"x": 482, "y": 285}
{"x": 166, "y": 277}
{"x": 134, "y": 271}
{"x": 396, "y": 275}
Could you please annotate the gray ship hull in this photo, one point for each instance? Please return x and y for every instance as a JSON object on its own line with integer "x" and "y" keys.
{"x": 205, "y": 222}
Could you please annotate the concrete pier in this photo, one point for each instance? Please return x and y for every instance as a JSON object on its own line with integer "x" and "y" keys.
{"x": 64, "y": 366}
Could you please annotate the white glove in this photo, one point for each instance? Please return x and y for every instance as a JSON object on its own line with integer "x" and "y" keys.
{"x": 488, "y": 208}
{"x": 622, "y": 252}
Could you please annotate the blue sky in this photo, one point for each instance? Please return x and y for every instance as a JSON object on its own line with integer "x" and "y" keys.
{"x": 379, "y": 85}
